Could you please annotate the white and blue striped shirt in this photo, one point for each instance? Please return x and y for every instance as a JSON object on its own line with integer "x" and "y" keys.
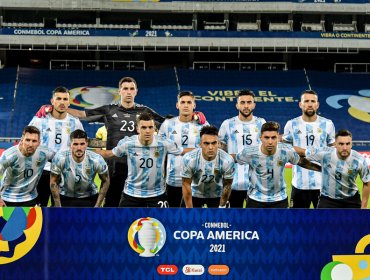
{"x": 145, "y": 164}
{"x": 319, "y": 133}
{"x": 77, "y": 179}
{"x": 237, "y": 134}
{"x": 55, "y": 133}
{"x": 339, "y": 176}
{"x": 184, "y": 134}
{"x": 21, "y": 174}
{"x": 267, "y": 172}
{"x": 207, "y": 176}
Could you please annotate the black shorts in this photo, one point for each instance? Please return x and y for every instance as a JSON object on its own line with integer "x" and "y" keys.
{"x": 67, "y": 201}
{"x": 29, "y": 203}
{"x": 210, "y": 202}
{"x": 251, "y": 203}
{"x": 350, "y": 202}
{"x": 303, "y": 198}
{"x": 174, "y": 196}
{"x": 237, "y": 198}
{"x": 153, "y": 202}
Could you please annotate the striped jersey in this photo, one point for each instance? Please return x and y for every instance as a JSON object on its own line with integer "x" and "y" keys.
{"x": 55, "y": 133}
{"x": 145, "y": 164}
{"x": 237, "y": 134}
{"x": 207, "y": 175}
{"x": 77, "y": 179}
{"x": 21, "y": 174}
{"x": 267, "y": 172}
{"x": 339, "y": 176}
{"x": 184, "y": 134}
{"x": 319, "y": 133}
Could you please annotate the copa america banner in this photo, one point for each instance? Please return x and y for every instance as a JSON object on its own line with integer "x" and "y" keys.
{"x": 133, "y": 243}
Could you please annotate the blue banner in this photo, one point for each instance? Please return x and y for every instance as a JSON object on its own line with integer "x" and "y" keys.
{"x": 140, "y": 243}
{"x": 178, "y": 33}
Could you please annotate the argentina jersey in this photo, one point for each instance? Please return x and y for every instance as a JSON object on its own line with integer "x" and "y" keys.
{"x": 319, "y": 133}
{"x": 236, "y": 135}
{"x": 339, "y": 176}
{"x": 55, "y": 133}
{"x": 77, "y": 179}
{"x": 21, "y": 174}
{"x": 207, "y": 175}
{"x": 145, "y": 165}
{"x": 267, "y": 172}
{"x": 184, "y": 134}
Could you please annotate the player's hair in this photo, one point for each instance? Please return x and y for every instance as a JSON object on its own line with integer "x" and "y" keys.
{"x": 344, "y": 133}
{"x": 246, "y": 92}
{"x": 309, "y": 91}
{"x": 270, "y": 126}
{"x": 59, "y": 89}
{"x": 209, "y": 130}
{"x": 78, "y": 134}
{"x": 127, "y": 80}
{"x": 144, "y": 117}
{"x": 31, "y": 130}
{"x": 185, "y": 93}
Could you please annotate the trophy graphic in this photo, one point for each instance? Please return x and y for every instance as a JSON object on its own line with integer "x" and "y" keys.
{"x": 147, "y": 238}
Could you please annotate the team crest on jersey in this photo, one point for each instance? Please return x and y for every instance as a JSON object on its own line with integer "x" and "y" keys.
{"x": 319, "y": 130}
{"x": 217, "y": 171}
{"x": 38, "y": 162}
{"x": 256, "y": 129}
{"x": 350, "y": 171}
{"x": 88, "y": 170}
{"x": 156, "y": 152}
{"x": 68, "y": 130}
{"x": 196, "y": 131}
{"x": 280, "y": 163}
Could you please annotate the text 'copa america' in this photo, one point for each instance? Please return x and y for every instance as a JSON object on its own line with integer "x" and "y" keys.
{"x": 217, "y": 235}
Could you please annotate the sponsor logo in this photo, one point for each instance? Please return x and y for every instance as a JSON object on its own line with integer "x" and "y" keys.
{"x": 146, "y": 236}
{"x": 218, "y": 269}
{"x": 92, "y": 97}
{"x": 358, "y": 106}
{"x": 20, "y": 228}
{"x": 193, "y": 269}
{"x": 167, "y": 269}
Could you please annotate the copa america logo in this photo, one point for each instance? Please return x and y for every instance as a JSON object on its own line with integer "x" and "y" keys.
{"x": 146, "y": 236}
{"x": 92, "y": 97}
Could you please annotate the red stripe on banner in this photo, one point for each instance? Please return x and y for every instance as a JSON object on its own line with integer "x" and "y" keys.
{"x": 1, "y": 151}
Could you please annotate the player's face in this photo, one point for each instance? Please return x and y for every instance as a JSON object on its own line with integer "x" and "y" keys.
{"x": 209, "y": 145}
{"x": 245, "y": 105}
{"x": 78, "y": 147}
{"x": 186, "y": 105}
{"x": 343, "y": 145}
{"x": 269, "y": 141}
{"x": 309, "y": 104}
{"x": 60, "y": 101}
{"x": 128, "y": 92}
{"x": 146, "y": 131}
{"x": 29, "y": 144}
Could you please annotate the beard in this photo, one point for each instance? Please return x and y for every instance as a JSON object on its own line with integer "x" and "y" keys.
{"x": 310, "y": 113}
{"x": 246, "y": 115}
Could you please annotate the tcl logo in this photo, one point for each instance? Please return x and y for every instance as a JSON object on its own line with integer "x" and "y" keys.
{"x": 167, "y": 269}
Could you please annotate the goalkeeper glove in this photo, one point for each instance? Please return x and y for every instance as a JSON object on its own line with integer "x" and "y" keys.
{"x": 199, "y": 117}
{"x": 44, "y": 110}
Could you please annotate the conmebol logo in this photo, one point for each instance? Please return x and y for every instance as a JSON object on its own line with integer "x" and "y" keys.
{"x": 193, "y": 269}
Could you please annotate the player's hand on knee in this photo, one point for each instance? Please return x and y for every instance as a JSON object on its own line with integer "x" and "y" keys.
{"x": 44, "y": 110}
{"x": 2, "y": 203}
{"x": 199, "y": 117}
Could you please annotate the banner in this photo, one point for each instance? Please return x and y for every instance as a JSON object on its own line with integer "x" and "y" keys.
{"x": 83, "y": 32}
{"x": 141, "y": 243}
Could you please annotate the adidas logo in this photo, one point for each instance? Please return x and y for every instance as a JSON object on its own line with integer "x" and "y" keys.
{"x": 174, "y": 132}
{"x": 236, "y": 131}
{"x": 299, "y": 132}
{"x": 48, "y": 130}
{"x": 115, "y": 116}
{"x": 135, "y": 154}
